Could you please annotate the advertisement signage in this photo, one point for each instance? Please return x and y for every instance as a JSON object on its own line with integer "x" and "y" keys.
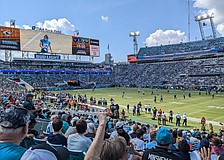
{"x": 94, "y": 48}
{"x": 9, "y": 38}
{"x": 132, "y": 59}
{"x": 80, "y": 46}
{"x": 45, "y": 56}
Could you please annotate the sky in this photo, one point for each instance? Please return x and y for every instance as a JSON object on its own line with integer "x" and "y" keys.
{"x": 111, "y": 21}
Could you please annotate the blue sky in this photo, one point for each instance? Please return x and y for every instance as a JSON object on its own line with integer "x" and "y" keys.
{"x": 146, "y": 16}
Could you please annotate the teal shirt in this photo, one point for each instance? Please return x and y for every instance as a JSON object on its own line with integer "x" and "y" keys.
{"x": 11, "y": 151}
{"x": 65, "y": 126}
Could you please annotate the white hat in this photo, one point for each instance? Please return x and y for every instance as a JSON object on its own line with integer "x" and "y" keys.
{"x": 119, "y": 124}
{"x": 38, "y": 154}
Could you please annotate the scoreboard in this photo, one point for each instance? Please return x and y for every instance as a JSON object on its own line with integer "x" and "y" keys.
{"x": 35, "y": 41}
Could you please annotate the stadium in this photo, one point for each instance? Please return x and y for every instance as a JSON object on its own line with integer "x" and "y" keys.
{"x": 81, "y": 109}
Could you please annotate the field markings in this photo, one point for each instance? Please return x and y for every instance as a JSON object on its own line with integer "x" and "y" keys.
{"x": 198, "y": 111}
{"x": 127, "y": 97}
{"x": 218, "y": 118}
{"x": 177, "y": 103}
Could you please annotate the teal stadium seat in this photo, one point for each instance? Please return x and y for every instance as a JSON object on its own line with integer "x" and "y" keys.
{"x": 76, "y": 155}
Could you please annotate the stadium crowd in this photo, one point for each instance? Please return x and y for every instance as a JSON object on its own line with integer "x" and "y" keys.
{"x": 203, "y": 72}
{"x": 99, "y": 137}
{"x": 182, "y": 47}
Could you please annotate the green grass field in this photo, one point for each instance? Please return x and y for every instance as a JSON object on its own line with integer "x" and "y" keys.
{"x": 195, "y": 107}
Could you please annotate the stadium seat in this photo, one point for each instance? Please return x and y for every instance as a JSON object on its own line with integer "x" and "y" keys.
{"x": 76, "y": 155}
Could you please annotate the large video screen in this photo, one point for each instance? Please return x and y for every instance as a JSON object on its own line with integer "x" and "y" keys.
{"x": 9, "y": 38}
{"x": 132, "y": 58}
{"x": 45, "y": 42}
{"x": 80, "y": 46}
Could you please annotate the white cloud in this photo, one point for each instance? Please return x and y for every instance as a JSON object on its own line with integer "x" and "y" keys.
{"x": 26, "y": 26}
{"x": 105, "y": 18}
{"x": 213, "y": 6}
{"x": 165, "y": 37}
{"x": 220, "y": 29}
{"x": 62, "y": 24}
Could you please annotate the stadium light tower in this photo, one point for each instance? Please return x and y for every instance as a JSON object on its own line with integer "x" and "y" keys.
{"x": 134, "y": 35}
{"x": 12, "y": 23}
{"x": 201, "y": 18}
{"x": 76, "y": 32}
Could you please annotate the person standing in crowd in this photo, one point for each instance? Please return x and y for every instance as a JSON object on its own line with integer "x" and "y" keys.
{"x": 159, "y": 116}
{"x": 123, "y": 94}
{"x": 122, "y": 114}
{"x": 155, "y": 99}
{"x": 28, "y": 104}
{"x": 171, "y": 116}
{"x": 203, "y": 121}
{"x": 164, "y": 118}
{"x": 149, "y": 108}
{"x": 146, "y": 108}
{"x": 128, "y": 106}
{"x": 213, "y": 95}
{"x": 134, "y": 110}
{"x": 175, "y": 96}
{"x": 154, "y": 112}
{"x": 178, "y": 117}
{"x": 13, "y": 128}
{"x": 189, "y": 94}
{"x": 184, "y": 119}
{"x": 184, "y": 95}
{"x": 161, "y": 98}
{"x": 161, "y": 151}
{"x": 138, "y": 110}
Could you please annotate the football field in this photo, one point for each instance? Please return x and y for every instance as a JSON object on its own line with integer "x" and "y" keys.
{"x": 195, "y": 106}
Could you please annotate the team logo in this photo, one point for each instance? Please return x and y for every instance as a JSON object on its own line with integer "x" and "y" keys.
{"x": 6, "y": 33}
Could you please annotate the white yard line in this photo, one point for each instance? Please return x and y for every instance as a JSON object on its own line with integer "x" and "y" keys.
{"x": 218, "y": 118}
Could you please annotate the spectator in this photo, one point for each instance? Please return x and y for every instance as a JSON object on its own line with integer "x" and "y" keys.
{"x": 78, "y": 141}
{"x": 217, "y": 146}
{"x": 138, "y": 142}
{"x": 13, "y": 128}
{"x": 49, "y": 126}
{"x": 161, "y": 151}
{"x": 28, "y": 104}
{"x": 119, "y": 125}
{"x": 65, "y": 124}
{"x": 56, "y": 137}
{"x": 153, "y": 142}
{"x": 114, "y": 149}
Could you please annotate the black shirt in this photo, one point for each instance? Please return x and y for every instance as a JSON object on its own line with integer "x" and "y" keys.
{"x": 159, "y": 153}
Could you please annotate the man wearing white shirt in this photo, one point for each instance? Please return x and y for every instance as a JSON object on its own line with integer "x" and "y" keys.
{"x": 184, "y": 119}
{"x": 178, "y": 119}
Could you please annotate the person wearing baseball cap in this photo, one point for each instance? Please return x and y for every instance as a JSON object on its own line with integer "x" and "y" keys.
{"x": 161, "y": 151}
{"x": 13, "y": 128}
{"x": 28, "y": 104}
{"x": 119, "y": 125}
